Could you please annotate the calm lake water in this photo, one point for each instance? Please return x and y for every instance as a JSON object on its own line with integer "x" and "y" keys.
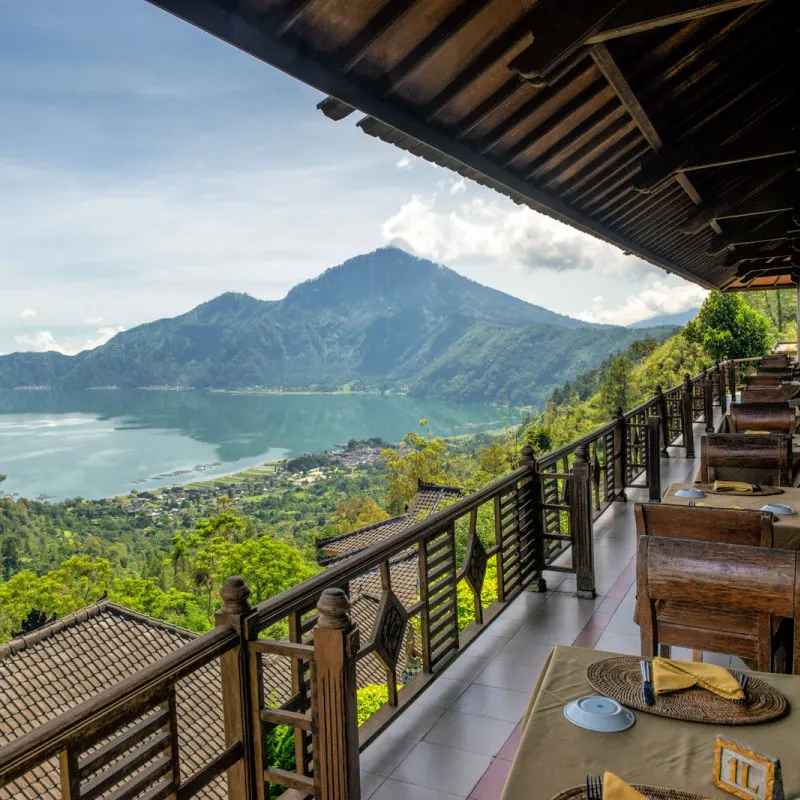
{"x": 103, "y": 443}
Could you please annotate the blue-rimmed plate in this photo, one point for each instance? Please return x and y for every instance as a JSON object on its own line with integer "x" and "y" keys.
{"x": 691, "y": 493}
{"x": 601, "y": 714}
{"x": 778, "y": 508}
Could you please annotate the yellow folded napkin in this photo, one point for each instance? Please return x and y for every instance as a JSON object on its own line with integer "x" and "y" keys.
{"x": 671, "y": 676}
{"x": 757, "y": 431}
{"x": 732, "y": 486}
{"x": 614, "y": 788}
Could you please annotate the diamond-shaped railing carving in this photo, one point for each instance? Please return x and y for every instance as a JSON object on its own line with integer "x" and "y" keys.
{"x": 390, "y": 627}
{"x": 476, "y": 565}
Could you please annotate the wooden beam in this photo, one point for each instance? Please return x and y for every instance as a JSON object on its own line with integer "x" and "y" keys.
{"x": 755, "y": 252}
{"x": 292, "y": 17}
{"x": 750, "y": 273}
{"x": 702, "y": 154}
{"x": 561, "y": 27}
{"x": 633, "y": 17}
{"x": 776, "y": 230}
{"x": 746, "y": 204}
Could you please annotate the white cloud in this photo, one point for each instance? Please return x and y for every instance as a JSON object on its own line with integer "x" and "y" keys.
{"x": 44, "y": 341}
{"x": 27, "y": 313}
{"x": 458, "y": 187}
{"x": 658, "y": 298}
{"x": 93, "y": 320}
{"x": 405, "y": 163}
{"x": 448, "y": 229}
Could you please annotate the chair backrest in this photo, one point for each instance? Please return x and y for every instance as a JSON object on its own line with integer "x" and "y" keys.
{"x": 763, "y": 380}
{"x": 731, "y": 525}
{"x": 766, "y": 394}
{"x": 775, "y": 418}
{"x": 724, "y": 455}
{"x": 780, "y": 360}
{"x": 715, "y": 575}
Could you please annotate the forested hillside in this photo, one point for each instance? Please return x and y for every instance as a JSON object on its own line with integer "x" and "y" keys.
{"x": 381, "y": 321}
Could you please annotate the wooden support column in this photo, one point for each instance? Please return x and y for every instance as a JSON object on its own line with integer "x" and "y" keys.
{"x": 653, "y": 451}
{"x": 530, "y": 492}
{"x": 732, "y": 379}
{"x": 581, "y": 519}
{"x": 722, "y": 394}
{"x": 708, "y": 401}
{"x": 661, "y": 403}
{"x": 687, "y": 416}
{"x": 620, "y": 456}
{"x": 797, "y": 317}
{"x": 333, "y": 686}
{"x": 235, "y": 669}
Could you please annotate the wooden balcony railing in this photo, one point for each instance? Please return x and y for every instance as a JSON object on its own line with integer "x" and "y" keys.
{"x": 537, "y": 518}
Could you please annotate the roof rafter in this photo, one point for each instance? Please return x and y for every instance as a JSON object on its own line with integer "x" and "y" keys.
{"x": 775, "y": 230}
{"x": 579, "y": 24}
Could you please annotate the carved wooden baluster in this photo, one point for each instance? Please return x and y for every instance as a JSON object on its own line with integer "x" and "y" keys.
{"x": 300, "y": 686}
{"x": 475, "y": 561}
{"x": 498, "y": 537}
{"x": 722, "y": 396}
{"x": 333, "y": 698}
{"x": 653, "y": 458}
{"x": 708, "y": 402}
{"x": 661, "y": 411}
{"x": 595, "y": 476}
{"x": 533, "y": 521}
{"x": 236, "y": 694}
{"x": 732, "y": 379}
{"x": 620, "y": 455}
{"x": 581, "y": 514}
{"x": 687, "y": 417}
{"x": 388, "y": 619}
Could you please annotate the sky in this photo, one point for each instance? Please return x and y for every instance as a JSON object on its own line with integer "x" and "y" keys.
{"x": 146, "y": 167}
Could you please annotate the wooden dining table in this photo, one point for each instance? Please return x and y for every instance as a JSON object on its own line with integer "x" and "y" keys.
{"x": 786, "y": 527}
{"x": 554, "y": 754}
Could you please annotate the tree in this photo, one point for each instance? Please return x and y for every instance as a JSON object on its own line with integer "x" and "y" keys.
{"x": 421, "y": 458}
{"x": 615, "y": 385}
{"x": 727, "y": 326}
{"x": 353, "y": 513}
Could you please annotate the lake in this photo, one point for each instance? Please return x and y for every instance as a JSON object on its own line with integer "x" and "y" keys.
{"x": 93, "y": 444}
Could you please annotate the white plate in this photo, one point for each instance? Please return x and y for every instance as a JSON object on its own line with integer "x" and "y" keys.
{"x": 596, "y": 713}
{"x": 691, "y": 492}
{"x": 778, "y": 508}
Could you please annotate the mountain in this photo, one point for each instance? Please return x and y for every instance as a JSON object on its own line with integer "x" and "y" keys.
{"x": 681, "y": 318}
{"x": 384, "y": 319}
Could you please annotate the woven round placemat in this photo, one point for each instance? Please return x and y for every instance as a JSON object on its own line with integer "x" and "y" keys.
{"x": 653, "y": 792}
{"x": 620, "y": 678}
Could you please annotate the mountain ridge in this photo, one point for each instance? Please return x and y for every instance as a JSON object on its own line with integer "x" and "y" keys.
{"x": 384, "y": 319}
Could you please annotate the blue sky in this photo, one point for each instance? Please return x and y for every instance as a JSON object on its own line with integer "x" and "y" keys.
{"x": 146, "y": 167}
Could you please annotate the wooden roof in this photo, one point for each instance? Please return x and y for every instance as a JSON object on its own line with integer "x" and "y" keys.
{"x": 665, "y": 128}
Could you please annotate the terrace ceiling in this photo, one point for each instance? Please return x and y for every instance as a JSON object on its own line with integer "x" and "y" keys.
{"x": 667, "y": 128}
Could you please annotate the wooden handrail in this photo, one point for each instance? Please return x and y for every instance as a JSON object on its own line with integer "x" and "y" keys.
{"x": 46, "y": 741}
{"x": 304, "y": 595}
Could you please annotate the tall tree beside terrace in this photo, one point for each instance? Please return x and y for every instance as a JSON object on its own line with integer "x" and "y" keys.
{"x": 353, "y": 513}
{"x": 615, "y": 386}
{"x": 727, "y": 326}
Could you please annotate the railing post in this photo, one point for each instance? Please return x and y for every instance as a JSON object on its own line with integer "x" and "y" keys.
{"x": 708, "y": 401}
{"x": 661, "y": 404}
{"x": 581, "y": 517}
{"x": 620, "y": 456}
{"x": 653, "y": 458}
{"x": 333, "y": 686}
{"x": 235, "y": 669}
{"x": 732, "y": 379}
{"x": 530, "y": 492}
{"x": 721, "y": 390}
{"x": 687, "y": 416}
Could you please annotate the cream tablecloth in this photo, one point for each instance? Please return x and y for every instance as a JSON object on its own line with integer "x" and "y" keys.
{"x": 786, "y": 528}
{"x": 554, "y": 754}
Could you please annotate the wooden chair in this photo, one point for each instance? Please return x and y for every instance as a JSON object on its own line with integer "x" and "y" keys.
{"x": 768, "y": 456}
{"x": 781, "y": 361}
{"x": 767, "y": 394}
{"x": 749, "y": 587}
{"x": 775, "y": 418}
{"x": 763, "y": 380}
{"x": 734, "y": 526}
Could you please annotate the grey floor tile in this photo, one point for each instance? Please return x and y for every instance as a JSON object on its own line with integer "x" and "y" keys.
{"x": 505, "y": 624}
{"x": 491, "y": 701}
{"x": 443, "y": 768}
{"x": 507, "y": 673}
{"x": 622, "y": 622}
{"x": 465, "y": 667}
{"x": 619, "y": 643}
{"x": 486, "y": 645}
{"x": 442, "y": 693}
{"x": 392, "y": 789}
{"x": 531, "y": 652}
{"x": 385, "y": 753}
{"x": 369, "y": 783}
{"x": 416, "y": 721}
{"x": 469, "y": 732}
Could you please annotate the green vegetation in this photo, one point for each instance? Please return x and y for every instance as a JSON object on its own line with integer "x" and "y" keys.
{"x": 384, "y": 321}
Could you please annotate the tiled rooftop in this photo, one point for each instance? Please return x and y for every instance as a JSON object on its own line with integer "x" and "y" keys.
{"x": 458, "y": 739}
